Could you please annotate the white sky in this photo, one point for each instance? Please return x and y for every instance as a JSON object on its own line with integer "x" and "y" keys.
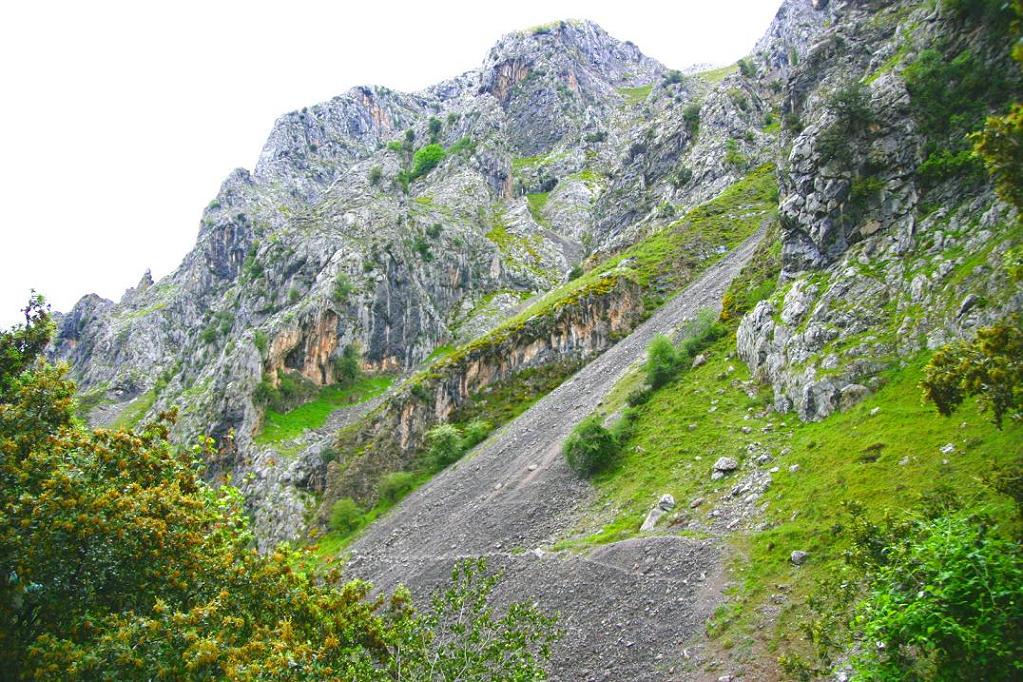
{"x": 120, "y": 119}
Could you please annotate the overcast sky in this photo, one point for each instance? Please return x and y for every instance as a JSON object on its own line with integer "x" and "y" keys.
{"x": 120, "y": 119}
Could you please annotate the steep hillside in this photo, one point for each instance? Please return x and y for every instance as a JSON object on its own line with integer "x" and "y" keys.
{"x": 392, "y": 325}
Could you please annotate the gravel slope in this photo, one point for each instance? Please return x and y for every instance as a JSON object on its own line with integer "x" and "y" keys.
{"x": 626, "y": 608}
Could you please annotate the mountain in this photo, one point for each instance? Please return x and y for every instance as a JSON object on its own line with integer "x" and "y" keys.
{"x": 460, "y": 256}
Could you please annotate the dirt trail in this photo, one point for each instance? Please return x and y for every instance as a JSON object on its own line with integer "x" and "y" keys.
{"x": 626, "y": 608}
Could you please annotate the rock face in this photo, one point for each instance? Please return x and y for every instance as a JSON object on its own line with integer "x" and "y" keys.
{"x": 867, "y": 276}
{"x": 565, "y": 144}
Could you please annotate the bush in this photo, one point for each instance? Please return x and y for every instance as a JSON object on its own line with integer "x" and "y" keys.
{"x": 434, "y": 127}
{"x": 673, "y": 77}
{"x": 665, "y": 361}
{"x": 433, "y": 231}
{"x": 475, "y": 432}
{"x": 945, "y": 604}
{"x": 396, "y": 485}
{"x": 662, "y": 361}
{"x": 590, "y": 447}
{"x": 342, "y": 287}
{"x": 599, "y": 136}
{"x": 746, "y": 68}
{"x": 346, "y": 366}
{"x": 463, "y": 145}
{"x": 989, "y": 367}
{"x": 259, "y": 340}
{"x": 425, "y": 160}
{"x": 345, "y": 516}
{"x": 733, "y": 157}
{"x": 691, "y": 117}
{"x": 639, "y": 396}
{"x": 422, "y": 247}
{"x": 445, "y": 444}
{"x": 376, "y": 173}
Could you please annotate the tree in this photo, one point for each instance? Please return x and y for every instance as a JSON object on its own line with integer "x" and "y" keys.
{"x": 21, "y": 345}
{"x": 118, "y": 561}
{"x": 426, "y": 159}
{"x": 989, "y": 367}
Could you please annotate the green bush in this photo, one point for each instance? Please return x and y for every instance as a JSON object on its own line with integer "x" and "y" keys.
{"x": 426, "y": 159}
{"x": 590, "y": 447}
{"x": 445, "y": 444}
{"x": 346, "y": 366}
{"x": 947, "y": 603}
{"x": 989, "y": 367}
{"x": 734, "y": 157}
{"x": 665, "y": 361}
{"x": 422, "y": 247}
{"x": 463, "y": 145}
{"x": 376, "y": 173}
{"x": 433, "y": 231}
{"x": 342, "y": 287}
{"x": 434, "y": 127}
{"x": 746, "y": 68}
{"x": 396, "y": 485}
{"x": 259, "y": 340}
{"x": 345, "y": 516}
{"x": 691, "y": 118}
{"x": 475, "y": 432}
{"x": 673, "y": 77}
{"x": 662, "y": 361}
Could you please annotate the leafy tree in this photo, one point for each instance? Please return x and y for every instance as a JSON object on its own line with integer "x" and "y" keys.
{"x": 118, "y": 561}
{"x": 21, "y": 345}
{"x": 376, "y": 173}
{"x": 342, "y": 287}
{"x": 989, "y": 367}
{"x": 590, "y": 447}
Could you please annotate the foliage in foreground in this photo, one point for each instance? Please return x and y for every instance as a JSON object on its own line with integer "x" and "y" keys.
{"x": 119, "y": 562}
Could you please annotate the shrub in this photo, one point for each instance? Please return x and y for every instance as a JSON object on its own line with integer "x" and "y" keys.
{"x": 691, "y": 117}
{"x": 598, "y": 136}
{"x": 946, "y": 598}
{"x": 989, "y": 367}
{"x": 342, "y": 287}
{"x": 747, "y": 68}
{"x": 465, "y": 144}
{"x": 590, "y": 447}
{"x": 475, "y": 432}
{"x": 673, "y": 77}
{"x": 425, "y": 160}
{"x": 734, "y": 157}
{"x": 681, "y": 177}
{"x": 445, "y": 444}
{"x": 639, "y": 396}
{"x": 433, "y": 231}
{"x": 259, "y": 340}
{"x": 662, "y": 361}
{"x": 396, "y": 485}
{"x": 346, "y": 366}
{"x": 1000, "y": 146}
{"x": 294, "y": 295}
{"x": 345, "y": 516}
{"x": 376, "y": 173}
{"x": 422, "y": 247}
{"x": 434, "y": 127}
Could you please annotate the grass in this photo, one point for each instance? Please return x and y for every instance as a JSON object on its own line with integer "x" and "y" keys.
{"x": 717, "y": 75}
{"x": 134, "y": 411}
{"x": 536, "y": 203}
{"x": 885, "y": 461}
{"x": 634, "y": 96}
{"x": 283, "y": 426}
